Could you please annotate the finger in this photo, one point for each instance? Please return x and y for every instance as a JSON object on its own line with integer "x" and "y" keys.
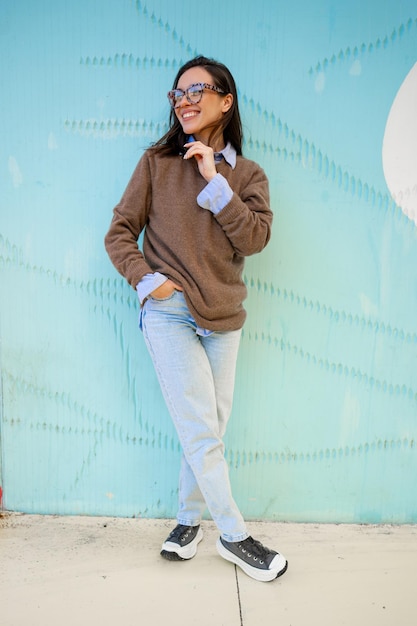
{"x": 199, "y": 154}
{"x": 194, "y": 154}
{"x": 195, "y": 149}
{"x": 197, "y": 146}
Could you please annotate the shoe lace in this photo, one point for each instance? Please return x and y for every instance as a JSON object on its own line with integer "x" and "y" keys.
{"x": 255, "y": 549}
{"x": 179, "y": 533}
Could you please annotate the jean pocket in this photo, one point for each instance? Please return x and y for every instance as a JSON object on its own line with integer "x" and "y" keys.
{"x": 171, "y": 295}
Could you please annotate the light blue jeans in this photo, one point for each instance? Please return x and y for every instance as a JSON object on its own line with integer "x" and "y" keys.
{"x": 196, "y": 374}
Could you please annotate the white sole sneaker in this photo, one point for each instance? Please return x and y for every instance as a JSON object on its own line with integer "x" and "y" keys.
{"x": 182, "y": 548}
{"x": 252, "y": 564}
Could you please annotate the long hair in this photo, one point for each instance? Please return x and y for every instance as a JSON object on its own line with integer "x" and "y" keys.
{"x": 231, "y": 125}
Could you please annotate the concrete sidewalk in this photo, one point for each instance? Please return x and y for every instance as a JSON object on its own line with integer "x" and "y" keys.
{"x": 79, "y": 571}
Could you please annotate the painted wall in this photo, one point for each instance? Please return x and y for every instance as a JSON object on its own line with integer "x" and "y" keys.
{"x": 325, "y": 418}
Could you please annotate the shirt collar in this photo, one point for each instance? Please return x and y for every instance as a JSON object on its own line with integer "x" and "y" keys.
{"x": 228, "y": 153}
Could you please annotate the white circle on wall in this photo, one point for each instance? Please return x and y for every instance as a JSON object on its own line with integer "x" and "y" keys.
{"x": 399, "y": 149}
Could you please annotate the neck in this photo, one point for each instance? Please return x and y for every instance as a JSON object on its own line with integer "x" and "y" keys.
{"x": 214, "y": 139}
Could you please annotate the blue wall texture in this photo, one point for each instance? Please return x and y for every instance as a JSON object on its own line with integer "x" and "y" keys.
{"x": 325, "y": 418}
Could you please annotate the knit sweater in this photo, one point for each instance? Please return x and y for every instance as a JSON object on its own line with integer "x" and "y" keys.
{"x": 202, "y": 252}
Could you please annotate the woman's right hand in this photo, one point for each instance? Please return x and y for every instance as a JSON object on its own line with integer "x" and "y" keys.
{"x": 166, "y": 289}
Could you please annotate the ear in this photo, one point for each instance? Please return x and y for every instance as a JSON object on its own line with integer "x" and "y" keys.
{"x": 227, "y": 102}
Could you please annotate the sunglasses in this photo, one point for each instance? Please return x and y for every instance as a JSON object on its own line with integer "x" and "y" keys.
{"x": 193, "y": 93}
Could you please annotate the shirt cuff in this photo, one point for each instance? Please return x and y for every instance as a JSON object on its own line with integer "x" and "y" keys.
{"x": 149, "y": 283}
{"x": 215, "y": 195}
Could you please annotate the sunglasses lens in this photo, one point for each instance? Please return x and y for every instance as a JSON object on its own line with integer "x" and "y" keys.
{"x": 175, "y": 96}
{"x": 195, "y": 92}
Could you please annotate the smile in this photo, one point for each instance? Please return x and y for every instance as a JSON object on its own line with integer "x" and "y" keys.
{"x": 186, "y": 116}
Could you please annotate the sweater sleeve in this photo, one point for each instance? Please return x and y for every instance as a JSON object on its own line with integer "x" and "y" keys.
{"x": 129, "y": 219}
{"x": 247, "y": 218}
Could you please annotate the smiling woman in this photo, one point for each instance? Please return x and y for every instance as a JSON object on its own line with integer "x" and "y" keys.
{"x": 202, "y": 212}
{"x": 203, "y": 86}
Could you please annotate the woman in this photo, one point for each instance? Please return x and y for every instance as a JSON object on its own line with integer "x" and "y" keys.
{"x": 204, "y": 207}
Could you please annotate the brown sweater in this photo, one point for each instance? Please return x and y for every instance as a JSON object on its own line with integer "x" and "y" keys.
{"x": 202, "y": 252}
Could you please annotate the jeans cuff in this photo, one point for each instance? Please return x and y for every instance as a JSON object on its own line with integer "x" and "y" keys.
{"x": 184, "y": 522}
{"x": 234, "y": 538}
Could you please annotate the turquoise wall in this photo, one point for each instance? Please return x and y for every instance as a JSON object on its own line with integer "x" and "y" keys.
{"x": 325, "y": 417}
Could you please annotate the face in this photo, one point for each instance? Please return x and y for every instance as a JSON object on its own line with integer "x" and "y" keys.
{"x": 201, "y": 119}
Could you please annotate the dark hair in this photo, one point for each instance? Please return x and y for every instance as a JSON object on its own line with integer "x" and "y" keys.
{"x": 173, "y": 141}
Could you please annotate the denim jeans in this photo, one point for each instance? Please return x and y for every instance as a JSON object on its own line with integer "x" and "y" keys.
{"x": 196, "y": 374}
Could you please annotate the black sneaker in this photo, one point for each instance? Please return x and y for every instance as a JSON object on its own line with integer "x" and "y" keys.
{"x": 181, "y": 543}
{"x": 256, "y": 560}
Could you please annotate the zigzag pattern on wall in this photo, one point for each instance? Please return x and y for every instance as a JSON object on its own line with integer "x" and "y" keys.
{"x": 334, "y": 368}
{"x": 356, "y": 51}
{"x": 340, "y": 316}
{"x": 128, "y": 60}
{"x": 245, "y": 457}
{"x": 110, "y": 129}
{"x": 165, "y": 26}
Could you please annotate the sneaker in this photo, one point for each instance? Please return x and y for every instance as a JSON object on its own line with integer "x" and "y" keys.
{"x": 256, "y": 560}
{"x": 181, "y": 543}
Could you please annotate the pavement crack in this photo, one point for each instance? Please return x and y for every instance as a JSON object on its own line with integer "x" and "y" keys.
{"x": 238, "y": 597}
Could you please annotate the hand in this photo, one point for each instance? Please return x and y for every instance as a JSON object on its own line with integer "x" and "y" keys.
{"x": 166, "y": 289}
{"x": 204, "y": 156}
